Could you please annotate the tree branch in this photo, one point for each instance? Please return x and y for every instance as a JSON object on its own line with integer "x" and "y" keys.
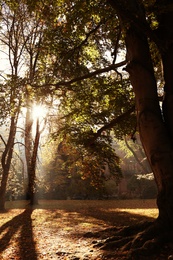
{"x": 135, "y": 156}
{"x": 112, "y": 124}
{"x": 3, "y": 140}
{"x": 91, "y": 74}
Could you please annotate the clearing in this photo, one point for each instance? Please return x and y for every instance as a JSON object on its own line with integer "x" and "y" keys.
{"x": 68, "y": 229}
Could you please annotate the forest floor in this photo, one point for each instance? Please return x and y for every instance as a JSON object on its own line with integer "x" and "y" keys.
{"x": 68, "y": 230}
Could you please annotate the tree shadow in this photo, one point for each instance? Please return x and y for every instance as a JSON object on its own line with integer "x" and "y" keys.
{"x": 113, "y": 220}
{"x": 21, "y": 223}
{"x": 123, "y": 228}
{"x": 116, "y": 218}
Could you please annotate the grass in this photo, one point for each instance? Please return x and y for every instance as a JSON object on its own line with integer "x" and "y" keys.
{"x": 55, "y": 229}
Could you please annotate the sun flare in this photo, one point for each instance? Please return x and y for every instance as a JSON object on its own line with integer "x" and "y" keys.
{"x": 39, "y": 111}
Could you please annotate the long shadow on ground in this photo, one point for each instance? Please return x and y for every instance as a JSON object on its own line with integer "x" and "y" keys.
{"x": 21, "y": 223}
{"x": 86, "y": 221}
{"x": 120, "y": 218}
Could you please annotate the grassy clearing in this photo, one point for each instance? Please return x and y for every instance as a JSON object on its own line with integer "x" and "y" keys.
{"x": 73, "y": 204}
{"x": 55, "y": 229}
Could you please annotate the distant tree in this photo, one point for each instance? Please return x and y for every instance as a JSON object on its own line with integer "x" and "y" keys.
{"x": 21, "y": 38}
{"x": 67, "y": 175}
{"x": 12, "y": 89}
{"x": 32, "y": 37}
{"x": 138, "y": 155}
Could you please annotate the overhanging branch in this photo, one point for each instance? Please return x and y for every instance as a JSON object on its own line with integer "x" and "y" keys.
{"x": 86, "y": 76}
{"x": 91, "y": 74}
{"x": 111, "y": 124}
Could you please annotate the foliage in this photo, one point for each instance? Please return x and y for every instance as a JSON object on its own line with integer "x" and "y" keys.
{"x": 70, "y": 172}
{"x": 77, "y": 62}
{"x": 62, "y": 44}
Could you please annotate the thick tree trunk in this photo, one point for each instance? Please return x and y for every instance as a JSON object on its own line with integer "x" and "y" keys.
{"x": 154, "y": 137}
{"x": 154, "y": 134}
{"x": 165, "y": 34}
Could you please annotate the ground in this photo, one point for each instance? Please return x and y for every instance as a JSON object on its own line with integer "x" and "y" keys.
{"x": 70, "y": 230}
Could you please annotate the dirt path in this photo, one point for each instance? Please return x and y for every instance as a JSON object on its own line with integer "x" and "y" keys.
{"x": 64, "y": 229}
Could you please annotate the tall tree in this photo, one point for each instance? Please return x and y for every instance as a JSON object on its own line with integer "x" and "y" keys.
{"x": 144, "y": 28}
{"x": 88, "y": 111}
{"x": 12, "y": 88}
{"x": 32, "y": 37}
{"x": 144, "y": 24}
{"x": 22, "y": 33}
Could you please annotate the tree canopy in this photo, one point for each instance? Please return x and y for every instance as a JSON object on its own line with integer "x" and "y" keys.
{"x": 68, "y": 49}
{"x": 75, "y": 52}
{"x": 108, "y": 65}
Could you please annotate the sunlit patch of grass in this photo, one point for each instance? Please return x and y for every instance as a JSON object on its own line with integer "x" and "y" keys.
{"x": 87, "y": 224}
{"x": 151, "y": 212}
{"x": 67, "y": 228}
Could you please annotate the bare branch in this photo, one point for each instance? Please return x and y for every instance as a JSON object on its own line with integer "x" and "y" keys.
{"x": 3, "y": 140}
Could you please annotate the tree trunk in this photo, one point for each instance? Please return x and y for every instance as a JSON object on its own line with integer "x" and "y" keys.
{"x": 143, "y": 168}
{"x": 32, "y": 170}
{"x": 28, "y": 138}
{"x": 3, "y": 189}
{"x": 31, "y": 147}
{"x": 6, "y": 161}
{"x": 153, "y": 132}
{"x": 154, "y": 136}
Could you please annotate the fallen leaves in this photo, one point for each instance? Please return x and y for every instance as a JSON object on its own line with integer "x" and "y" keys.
{"x": 55, "y": 229}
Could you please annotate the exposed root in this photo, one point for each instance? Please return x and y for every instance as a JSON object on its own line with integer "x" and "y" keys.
{"x": 142, "y": 241}
{"x": 115, "y": 243}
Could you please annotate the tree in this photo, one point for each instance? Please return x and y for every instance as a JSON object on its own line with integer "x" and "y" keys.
{"x": 22, "y": 34}
{"x": 85, "y": 106}
{"x": 145, "y": 27}
{"x": 144, "y": 24}
{"x": 12, "y": 87}
{"x": 83, "y": 39}
{"x": 32, "y": 37}
{"x": 6, "y": 158}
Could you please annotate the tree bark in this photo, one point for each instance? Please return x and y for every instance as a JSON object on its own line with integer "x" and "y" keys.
{"x": 32, "y": 170}
{"x": 152, "y": 128}
{"x": 165, "y": 34}
{"x": 31, "y": 149}
{"x": 28, "y": 140}
{"x": 6, "y": 161}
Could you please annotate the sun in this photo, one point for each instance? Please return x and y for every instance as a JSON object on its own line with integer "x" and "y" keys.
{"x": 39, "y": 111}
{"x": 39, "y": 115}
